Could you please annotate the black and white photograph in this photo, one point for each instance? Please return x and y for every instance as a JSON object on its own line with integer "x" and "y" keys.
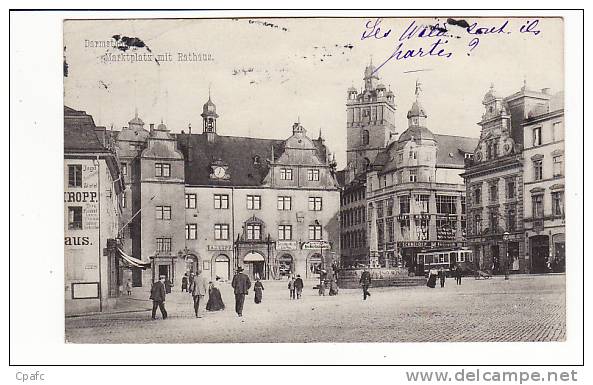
{"x": 314, "y": 180}
{"x": 396, "y": 193}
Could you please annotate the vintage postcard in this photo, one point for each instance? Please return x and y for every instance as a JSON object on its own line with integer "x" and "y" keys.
{"x": 314, "y": 179}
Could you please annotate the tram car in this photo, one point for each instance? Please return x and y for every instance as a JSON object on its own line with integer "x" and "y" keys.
{"x": 445, "y": 258}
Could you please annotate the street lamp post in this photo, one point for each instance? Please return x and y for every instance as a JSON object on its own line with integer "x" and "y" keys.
{"x": 505, "y": 237}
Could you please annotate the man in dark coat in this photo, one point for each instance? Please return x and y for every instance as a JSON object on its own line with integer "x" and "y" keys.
{"x": 241, "y": 285}
{"x": 298, "y": 286}
{"x": 365, "y": 281}
{"x": 157, "y": 295}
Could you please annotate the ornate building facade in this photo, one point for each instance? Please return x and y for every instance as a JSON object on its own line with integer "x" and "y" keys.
{"x": 494, "y": 181}
{"x": 415, "y": 194}
{"x": 217, "y": 202}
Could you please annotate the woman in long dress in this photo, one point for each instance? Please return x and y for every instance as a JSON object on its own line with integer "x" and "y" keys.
{"x": 258, "y": 287}
{"x": 432, "y": 278}
{"x": 214, "y": 298}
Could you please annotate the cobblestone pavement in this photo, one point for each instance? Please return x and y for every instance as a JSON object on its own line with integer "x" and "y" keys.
{"x": 525, "y": 308}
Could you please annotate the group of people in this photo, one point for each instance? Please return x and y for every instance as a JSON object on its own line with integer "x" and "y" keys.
{"x": 440, "y": 274}
{"x": 198, "y": 286}
{"x": 295, "y": 286}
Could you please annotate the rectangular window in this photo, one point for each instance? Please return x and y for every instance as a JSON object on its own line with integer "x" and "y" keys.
{"x": 390, "y": 232}
{"x": 537, "y": 136}
{"x": 315, "y": 203}
{"x": 493, "y": 220}
{"x": 404, "y": 204}
{"x": 478, "y": 224}
{"x": 380, "y": 211}
{"x": 557, "y": 165}
{"x": 75, "y": 175}
{"x": 163, "y": 212}
{"x": 446, "y": 204}
{"x": 284, "y": 203}
{"x": 286, "y": 174}
{"x": 191, "y": 231}
{"x": 163, "y": 245}
{"x": 313, "y": 175}
{"x": 191, "y": 201}
{"x": 315, "y": 232}
{"x": 558, "y": 203}
{"x": 390, "y": 207}
{"x": 511, "y": 219}
{"x": 253, "y": 231}
{"x": 493, "y": 189}
{"x": 221, "y": 201}
{"x": 413, "y": 175}
{"x": 380, "y": 232}
{"x": 221, "y": 231}
{"x": 462, "y": 205}
{"x": 511, "y": 193}
{"x": 284, "y": 232}
{"x": 558, "y": 131}
{"x": 162, "y": 169}
{"x": 124, "y": 202}
{"x": 253, "y": 202}
{"x": 124, "y": 169}
{"x": 75, "y": 218}
{"x": 537, "y": 203}
{"x": 538, "y": 170}
{"x": 421, "y": 203}
{"x": 400, "y": 176}
{"x": 413, "y": 154}
{"x": 477, "y": 195}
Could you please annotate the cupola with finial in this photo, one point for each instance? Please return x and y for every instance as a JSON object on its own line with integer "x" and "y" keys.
{"x": 209, "y": 115}
{"x": 416, "y": 115}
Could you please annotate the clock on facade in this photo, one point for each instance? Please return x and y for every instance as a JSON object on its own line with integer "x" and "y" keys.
{"x": 219, "y": 172}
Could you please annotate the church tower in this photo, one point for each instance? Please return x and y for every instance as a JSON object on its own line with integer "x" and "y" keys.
{"x": 370, "y": 121}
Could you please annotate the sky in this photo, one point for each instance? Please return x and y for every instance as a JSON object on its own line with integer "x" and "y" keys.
{"x": 265, "y": 74}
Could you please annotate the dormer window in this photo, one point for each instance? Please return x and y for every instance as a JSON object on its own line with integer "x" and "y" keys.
{"x": 256, "y": 159}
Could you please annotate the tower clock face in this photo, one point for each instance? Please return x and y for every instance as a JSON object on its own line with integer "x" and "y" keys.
{"x": 219, "y": 172}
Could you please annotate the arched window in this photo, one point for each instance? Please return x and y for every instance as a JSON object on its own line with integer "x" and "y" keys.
{"x": 365, "y": 137}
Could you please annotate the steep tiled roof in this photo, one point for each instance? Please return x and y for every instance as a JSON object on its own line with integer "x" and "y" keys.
{"x": 238, "y": 153}
{"x": 79, "y": 132}
{"x": 452, "y": 149}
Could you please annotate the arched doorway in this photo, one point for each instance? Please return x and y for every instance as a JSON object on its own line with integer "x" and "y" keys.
{"x": 313, "y": 265}
{"x": 191, "y": 263}
{"x": 222, "y": 267}
{"x": 286, "y": 263}
{"x": 254, "y": 265}
{"x": 540, "y": 250}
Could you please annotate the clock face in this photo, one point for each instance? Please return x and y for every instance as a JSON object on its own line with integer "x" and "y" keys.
{"x": 219, "y": 172}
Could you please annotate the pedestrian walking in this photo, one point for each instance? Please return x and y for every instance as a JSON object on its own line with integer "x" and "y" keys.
{"x": 157, "y": 295}
{"x": 322, "y": 287}
{"x": 129, "y": 286}
{"x": 365, "y": 281}
{"x": 190, "y": 281}
{"x": 442, "y": 276}
{"x": 241, "y": 285}
{"x": 298, "y": 286}
{"x": 291, "y": 287}
{"x": 198, "y": 291}
{"x": 432, "y": 278}
{"x": 333, "y": 287}
{"x": 458, "y": 274}
{"x": 184, "y": 282}
{"x": 258, "y": 287}
{"x": 215, "y": 302}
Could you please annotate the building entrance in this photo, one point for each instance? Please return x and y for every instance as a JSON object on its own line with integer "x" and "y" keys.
{"x": 222, "y": 267}
{"x": 540, "y": 250}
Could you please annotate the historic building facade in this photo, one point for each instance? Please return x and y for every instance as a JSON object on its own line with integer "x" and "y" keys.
{"x": 494, "y": 179}
{"x": 217, "y": 202}
{"x": 543, "y": 175}
{"x": 415, "y": 194}
{"x": 370, "y": 126}
{"x": 92, "y": 195}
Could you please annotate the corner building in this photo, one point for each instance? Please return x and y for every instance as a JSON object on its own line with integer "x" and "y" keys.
{"x": 415, "y": 194}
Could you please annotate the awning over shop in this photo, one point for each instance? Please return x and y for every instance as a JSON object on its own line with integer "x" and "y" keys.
{"x": 131, "y": 261}
{"x": 253, "y": 257}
